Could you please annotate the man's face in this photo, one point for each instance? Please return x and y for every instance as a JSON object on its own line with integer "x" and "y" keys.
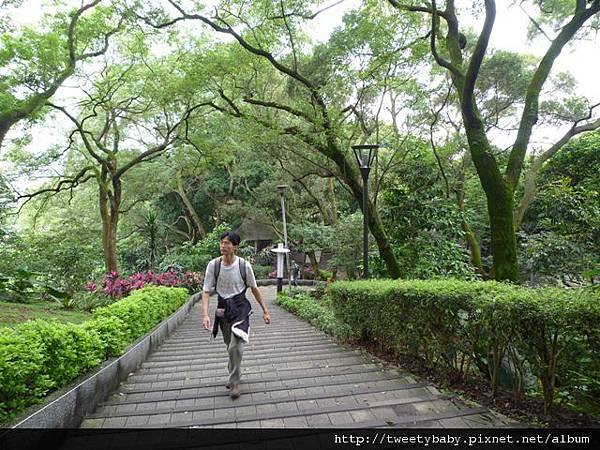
{"x": 226, "y": 247}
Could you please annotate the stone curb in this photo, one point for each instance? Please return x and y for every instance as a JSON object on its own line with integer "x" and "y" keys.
{"x": 83, "y": 396}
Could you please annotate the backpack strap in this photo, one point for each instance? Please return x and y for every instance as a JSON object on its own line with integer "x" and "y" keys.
{"x": 243, "y": 271}
{"x": 217, "y": 270}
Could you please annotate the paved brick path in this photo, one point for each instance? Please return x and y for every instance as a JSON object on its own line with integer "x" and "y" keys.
{"x": 294, "y": 376}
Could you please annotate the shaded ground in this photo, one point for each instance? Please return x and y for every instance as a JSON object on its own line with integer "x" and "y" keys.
{"x": 12, "y": 314}
{"x": 526, "y": 411}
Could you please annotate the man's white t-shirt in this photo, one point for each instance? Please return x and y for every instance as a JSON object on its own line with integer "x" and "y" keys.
{"x": 230, "y": 281}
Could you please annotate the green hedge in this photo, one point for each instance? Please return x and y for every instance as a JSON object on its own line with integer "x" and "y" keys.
{"x": 39, "y": 356}
{"x": 552, "y": 334}
{"x": 317, "y": 312}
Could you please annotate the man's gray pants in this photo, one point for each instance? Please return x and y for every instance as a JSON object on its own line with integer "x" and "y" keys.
{"x": 235, "y": 348}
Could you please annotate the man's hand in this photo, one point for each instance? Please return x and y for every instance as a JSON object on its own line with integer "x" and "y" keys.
{"x": 206, "y": 323}
{"x": 266, "y": 317}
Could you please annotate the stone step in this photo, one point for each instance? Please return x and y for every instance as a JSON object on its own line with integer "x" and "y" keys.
{"x": 307, "y": 369}
{"x": 130, "y": 387}
{"x": 233, "y": 416}
{"x": 219, "y": 347}
{"x": 219, "y": 391}
{"x": 280, "y": 364}
{"x": 360, "y": 395}
{"x": 206, "y": 337}
{"x": 165, "y": 361}
{"x": 293, "y": 376}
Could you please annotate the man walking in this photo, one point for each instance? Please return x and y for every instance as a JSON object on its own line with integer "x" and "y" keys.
{"x": 230, "y": 276}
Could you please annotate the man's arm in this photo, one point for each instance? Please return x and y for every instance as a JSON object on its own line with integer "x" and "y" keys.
{"x": 263, "y": 305}
{"x": 209, "y": 285}
{"x": 205, "y": 316}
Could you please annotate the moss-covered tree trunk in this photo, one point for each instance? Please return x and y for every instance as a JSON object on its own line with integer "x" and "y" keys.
{"x": 472, "y": 242}
{"x": 499, "y": 188}
{"x": 500, "y": 202}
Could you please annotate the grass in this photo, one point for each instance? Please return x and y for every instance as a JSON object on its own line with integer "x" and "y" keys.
{"x": 12, "y": 314}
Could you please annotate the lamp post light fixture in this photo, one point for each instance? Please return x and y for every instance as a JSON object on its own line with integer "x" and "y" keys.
{"x": 365, "y": 155}
{"x": 281, "y": 189}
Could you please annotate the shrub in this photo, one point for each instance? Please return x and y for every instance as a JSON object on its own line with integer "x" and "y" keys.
{"x": 39, "y": 356}
{"x": 318, "y": 313}
{"x": 261, "y": 272}
{"x": 457, "y": 324}
{"x": 325, "y": 275}
{"x": 116, "y": 287}
{"x": 318, "y": 292}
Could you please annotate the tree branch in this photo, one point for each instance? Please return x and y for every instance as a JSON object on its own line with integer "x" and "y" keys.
{"x": 441, "y": 61}
{"x": 67, "y": 183}
{"x": 281, "y": 107}
{"x": 309, "y": 17}
{"x": 530, "y": 111}
{"x": 476, "y": 59}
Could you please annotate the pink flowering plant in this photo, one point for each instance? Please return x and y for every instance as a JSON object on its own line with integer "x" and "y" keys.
{"x": 115, "y": 286}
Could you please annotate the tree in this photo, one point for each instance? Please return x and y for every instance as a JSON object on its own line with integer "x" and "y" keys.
{"x": 309, "y": 109}
{"x": 464, "y": 71}
{"x": 127, "y": 120}
{"x": 38, "y": 61}
{"x": 562, "y": 225}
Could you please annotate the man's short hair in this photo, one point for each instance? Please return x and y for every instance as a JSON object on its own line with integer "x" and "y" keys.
{"x": 233, "y": 237}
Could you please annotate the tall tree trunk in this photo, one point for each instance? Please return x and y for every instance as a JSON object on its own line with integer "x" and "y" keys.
{"x": 200, "y": 231}
{"x": 500, "y": 202}
{"x": 115, "y": 204}
{"x": 529, "y": 192}
{"x": 109, "y": 213}
{"x": 351, "y": 178}
{"x": 314, "y": 264}
{"x": 333, "y": 202}
{"x": 472, "y": 243}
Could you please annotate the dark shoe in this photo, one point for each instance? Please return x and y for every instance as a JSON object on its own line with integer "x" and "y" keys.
{"x": 228, "y": 386}
{"x": 235, "y": 391}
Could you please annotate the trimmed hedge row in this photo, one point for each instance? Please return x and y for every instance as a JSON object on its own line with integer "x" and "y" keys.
{"x": 39, "y": 356}
{"x": 552, "y": 334}
{"x": 318, "y": 313}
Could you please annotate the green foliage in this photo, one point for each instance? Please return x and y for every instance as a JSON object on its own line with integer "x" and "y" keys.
{"x": 502, "y": 83}
{"x": 143, "y": 308}
{"x": 324, "y": 275}
{"x": 456, "y": 324}
{"x": 23, "y": 286}
{"x": 312, "y": 237}
{"x": 62, "y": 245}
{"x": 317, "y": 312}
{"x": 578, "y": 161}
{"x": 261, "y": 272}
{"x": 39, "y": 356}
{"x": 195, "y": 257}
{"x": 562, "y": 227}
{"x": 347, "y": 241}
{"x": 425, "y": 227}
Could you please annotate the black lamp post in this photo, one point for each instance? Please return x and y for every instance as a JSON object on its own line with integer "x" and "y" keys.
{"x": 365, "y": 155}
